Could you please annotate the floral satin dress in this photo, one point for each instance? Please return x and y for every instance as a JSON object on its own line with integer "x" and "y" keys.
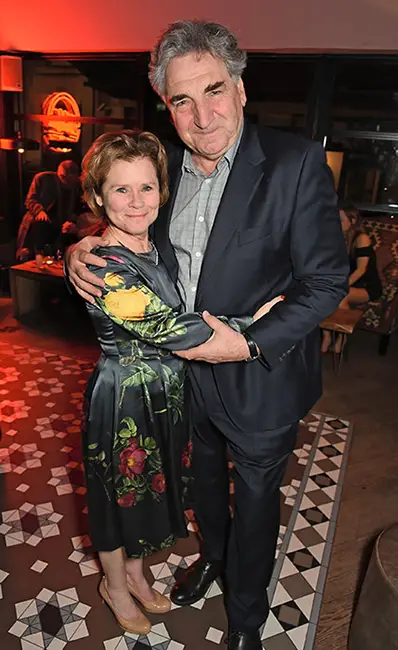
{"x": 136, "y": 444}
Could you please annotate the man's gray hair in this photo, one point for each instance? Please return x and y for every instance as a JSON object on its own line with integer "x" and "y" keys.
{"x": 187, "y": 36}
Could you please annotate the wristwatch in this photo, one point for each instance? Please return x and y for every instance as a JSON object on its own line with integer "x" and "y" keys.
{"x": 253, "y": 350}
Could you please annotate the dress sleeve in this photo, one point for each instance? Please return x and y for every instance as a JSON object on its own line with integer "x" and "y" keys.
{"x": 363, "y": 251}
{"x": 132, "y": 305}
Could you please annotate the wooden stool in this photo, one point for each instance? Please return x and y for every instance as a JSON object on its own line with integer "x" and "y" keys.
{"x": 342, "y": 321}
{"x": 375, "y": 623}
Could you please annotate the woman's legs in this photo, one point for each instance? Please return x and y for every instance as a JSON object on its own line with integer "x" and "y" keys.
{"x": 113, "y": 565}
{"x": 134, "y": 569}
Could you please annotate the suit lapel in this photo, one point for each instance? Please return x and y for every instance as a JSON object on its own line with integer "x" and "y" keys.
{"x": 243, "y": 180}
{"x": 162, "y": 224}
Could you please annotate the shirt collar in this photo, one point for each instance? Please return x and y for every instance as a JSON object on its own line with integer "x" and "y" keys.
{"x": 229, "y": 156}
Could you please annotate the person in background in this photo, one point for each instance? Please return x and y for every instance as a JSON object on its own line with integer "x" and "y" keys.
{"x": 53, "y": 203}
{"x": 364, "y": 281}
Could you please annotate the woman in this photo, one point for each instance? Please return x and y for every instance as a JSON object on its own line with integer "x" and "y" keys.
{"x": 364, "y": 282}
{"x": 136, "y": 439}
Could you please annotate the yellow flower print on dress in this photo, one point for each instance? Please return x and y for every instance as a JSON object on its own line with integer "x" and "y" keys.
{"x": 113, "y": 280}
{"x": 127, "y": 304}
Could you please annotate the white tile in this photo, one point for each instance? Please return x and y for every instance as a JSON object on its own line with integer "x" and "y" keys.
{"x": 27, "y": 645}
{"x": 290, "y": 501}
{"x": 312, "y": 576}
{"x": 115, "y": 644}
{"x": 44, "y": 508}
{"x": 18, "y": 628}
{"x": 334, "y": 475}
{"x": 214, "y": 590}
{"x": 214, "y": 635}
{"x": 337, "y": 460}
{"x": 298, "y": 636}
{"x": 314, "y": 470}
{"x": 45, "y": 595}
{"x": 81, "y": 610}
{"x": 287, "y": 569}
{"x": 174, "y": 645}
{"x": 87, "y": 570}
{"x": 161, "y": 629}
{"x": 319, "y": 455}
{"x": 199, "y": 604}
{"x": 272, "y": 627}
{"x": 11, "y": 542}
{"x": 3, "y": 575}
{"x": 56, "y": 644}
{"x": 165, "y": 572}
{"x": 39, "y": 566}
{"x": 75, "y": 630}
{"x": 280, "y": 596}
{"x": 305, "y": 603}
{"x": 300, "y": 523}
{"x": 159, "y": 586}
{"x": 326, "y": 508}
{"x": 317, "y": 551}
{"x": 36, "y": 638}
{"x": 322, "y": 529}
{"x": 306, "y": 503}
{"x": 311, "y": 486}
{"x": 70, "y": 593}
{"x": 155, "y": 639}
{"x": 294, "y": 544}
{"x": 330, "y": 491}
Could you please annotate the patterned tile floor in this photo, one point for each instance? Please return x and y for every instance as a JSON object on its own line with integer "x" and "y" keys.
{"x": 48, "y": 571}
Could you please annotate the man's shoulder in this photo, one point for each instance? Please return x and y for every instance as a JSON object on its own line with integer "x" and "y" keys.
{"x": 283, "y": 142}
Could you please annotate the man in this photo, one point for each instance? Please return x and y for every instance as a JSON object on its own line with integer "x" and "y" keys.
{"x": 252, "y": 215}
{"x": 52, "y": 204}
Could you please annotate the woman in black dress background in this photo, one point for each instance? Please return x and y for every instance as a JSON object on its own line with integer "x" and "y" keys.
{"x": 364, "y": 282}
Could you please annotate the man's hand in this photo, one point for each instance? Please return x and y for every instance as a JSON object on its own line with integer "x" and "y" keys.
{"x": 42, "y": 216}
{"x": 76, "y": 259}
{"x": 225, "y": 344}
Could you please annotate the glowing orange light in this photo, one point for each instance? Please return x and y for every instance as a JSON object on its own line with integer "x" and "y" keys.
{"x": 61, "y": 104}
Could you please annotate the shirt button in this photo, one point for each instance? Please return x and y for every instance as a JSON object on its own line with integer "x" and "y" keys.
{"x": 198, "y": 254}
{"x": 193, "y": 289}
{"x": 201, "y": 219}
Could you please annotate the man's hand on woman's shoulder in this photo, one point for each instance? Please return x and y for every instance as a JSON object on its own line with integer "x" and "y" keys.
{"x": 77, "y": 257}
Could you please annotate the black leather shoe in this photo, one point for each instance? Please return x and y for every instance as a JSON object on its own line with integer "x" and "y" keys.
{"x": 194, "y": 582}
{"x": 244, "y": 640}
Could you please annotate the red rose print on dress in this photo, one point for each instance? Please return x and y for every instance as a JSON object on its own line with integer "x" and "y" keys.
{"x": 127, "y": 500}
{"x": 159, "y": 483}
{"x": 132, "y": 460}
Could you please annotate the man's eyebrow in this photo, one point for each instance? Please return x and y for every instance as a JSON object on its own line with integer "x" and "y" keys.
{"x": 215, "y": 86}
{"x": 211, "y": 87}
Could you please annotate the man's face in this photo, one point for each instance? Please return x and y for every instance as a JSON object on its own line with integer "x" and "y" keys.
{"x": 205, "y": 104}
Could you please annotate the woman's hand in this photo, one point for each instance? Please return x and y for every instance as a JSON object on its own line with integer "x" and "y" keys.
{"x": 76, "y": 259}
{"x": 266, "y": 307}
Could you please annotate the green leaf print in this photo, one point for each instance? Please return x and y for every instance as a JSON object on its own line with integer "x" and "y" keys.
{"x": 149, "y": 444}
{"x": 125, "y": 433}
{"x": 131, "y": 425}
{"x": 93, "y": 446}
{"x": 142, "y": 374}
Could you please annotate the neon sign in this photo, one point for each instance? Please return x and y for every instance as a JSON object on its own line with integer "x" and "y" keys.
{"x": 60, "y": 104}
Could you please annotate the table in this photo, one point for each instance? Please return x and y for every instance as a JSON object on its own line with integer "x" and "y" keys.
{"x": 26, "y": 281}
{"x": 342, "y": 321}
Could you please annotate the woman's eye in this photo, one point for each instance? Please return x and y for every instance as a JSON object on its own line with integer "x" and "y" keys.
{"x": 147, "y": 188}
{"x": 122, "y": 190}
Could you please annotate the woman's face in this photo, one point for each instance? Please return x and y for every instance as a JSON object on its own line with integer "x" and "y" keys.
{"x": 345, "y": 221}
{"x": 130, "y": 195}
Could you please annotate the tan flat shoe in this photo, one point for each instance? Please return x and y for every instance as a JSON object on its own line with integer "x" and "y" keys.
{"x": 160, "y": 605}
{"x": 139, "y": 625}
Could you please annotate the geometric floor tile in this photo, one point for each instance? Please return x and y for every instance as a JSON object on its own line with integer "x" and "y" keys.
{"x": 18, "y": 458}
{"x": 84, "y": 556}
{"x": 30, "y": 524}
{"x": 68, "y": 479}
{"x": 51, "y": 619}
{"x": 40, "y": 415}
{"x": 3, "y": 576}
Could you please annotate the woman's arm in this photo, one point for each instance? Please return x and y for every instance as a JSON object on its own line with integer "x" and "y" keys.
{"x": 131, "y": 304}
{"x": 363, "y": 246}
